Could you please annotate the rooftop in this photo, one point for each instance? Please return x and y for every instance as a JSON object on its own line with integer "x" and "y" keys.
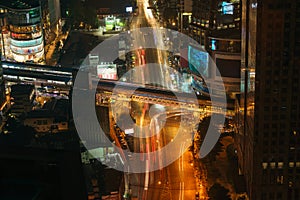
{"x": 20, "y": 89}
{"x": 40, "y": 113}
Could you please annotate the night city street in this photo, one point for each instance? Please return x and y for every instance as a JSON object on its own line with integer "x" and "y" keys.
{"x": 150, "y": 100}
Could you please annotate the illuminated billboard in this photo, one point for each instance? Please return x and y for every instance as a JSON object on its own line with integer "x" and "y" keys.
{"x": 227, "y": 8}
{"x": 26, "y": 43}
{"x": 107, "y": 71}
{"x": 110, "y": 22}
{"x": 27, "y": 50}
{"x": 113, "y": 23}
{"x": 198, "y": 61}
{"x": 129, "y": 9}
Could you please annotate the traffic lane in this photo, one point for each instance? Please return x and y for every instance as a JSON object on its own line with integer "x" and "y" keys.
{"x": 143, "y": 144}
{"x": 169, "y": 132}
{"x": 153, "y": 69}
{"x": 188, "y": 178}
{"x": 151, "y": 184}
{"x": 156, "y": 70}
{"x": 158, "y": 188}
{"x": 180, "y": 187}
{"x": 137, "y": 184}
{"x": 172, "y": 128}
{"x": 138, "y": 42}
{"x": 146, "y": 38}
{"x": 183, "y": 185}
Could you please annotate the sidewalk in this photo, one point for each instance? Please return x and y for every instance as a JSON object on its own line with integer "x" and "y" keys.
{"x": 219, "y": 171}
{"x": 50, "y": 49}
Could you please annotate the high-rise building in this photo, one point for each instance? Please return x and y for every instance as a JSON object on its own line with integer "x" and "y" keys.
{"x": 51, "y": 14}
{"x": 215, "y": 25}
{"x": 168, "y": 12}
{"x": 268, "y": 120}
{"x": 24, "y": 24}
{"x": 3, "y": 100}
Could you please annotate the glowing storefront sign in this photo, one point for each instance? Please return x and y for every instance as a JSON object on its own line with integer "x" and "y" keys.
{"x": 23, "y": 58}
{"x": 227, "y": 8}
{"x": 107, "y": 71}
{"x": 27, "y": 50}
{"x": 26, "y": 43}
{"x": 110, "y": 22}
{"x": 26, "y": 36}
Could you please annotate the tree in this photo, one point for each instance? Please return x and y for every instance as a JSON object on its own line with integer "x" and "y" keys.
{"x": 202, "y": 130}
{"x": 218, "y": 192}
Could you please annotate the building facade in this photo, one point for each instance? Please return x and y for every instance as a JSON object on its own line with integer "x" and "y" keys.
{"x": 3, "y": 101}
{"x": 215, "y": 25}
{"x": 51, "y": 17}
{"x": 23, "y": 22}
{"x": 268, "y": 110}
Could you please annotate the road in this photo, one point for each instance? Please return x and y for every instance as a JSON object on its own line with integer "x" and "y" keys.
{"x": 152, "y": 63}
{"x": 177, "y": 180}
{"x": 173, "y": 180}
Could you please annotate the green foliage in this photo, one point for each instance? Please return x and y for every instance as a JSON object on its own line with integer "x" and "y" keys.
{"x": 218, "y": 148}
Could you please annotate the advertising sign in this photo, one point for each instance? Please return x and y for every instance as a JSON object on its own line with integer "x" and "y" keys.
{"x": 198, "y": 61}
{"x": 227, "y": 8}
{"x": 129, "y": 9}
{"x": 107, "y": 71}
{"x": 110, "y": 22}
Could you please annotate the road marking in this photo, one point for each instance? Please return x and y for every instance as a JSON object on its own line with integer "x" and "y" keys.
{"x": 180, "y": 187}
{"x": 182, "y": 193}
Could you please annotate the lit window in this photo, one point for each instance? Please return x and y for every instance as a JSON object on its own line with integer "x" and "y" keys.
{"x": 213, "y": 45}
{"x": 280, "y": 165}
{"x": 265, "y": 165}
{"x": 272, "y": 164}
{"x": 291, "y": 164}
{"x": 280, "y": 179}
{"x": 297, "y": 164}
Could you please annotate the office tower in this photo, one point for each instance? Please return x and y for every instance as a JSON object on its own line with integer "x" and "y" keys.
{"x": 268, "y": 128}
{"x": 215, "y": 25}
{"x": 3, "y": 101}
